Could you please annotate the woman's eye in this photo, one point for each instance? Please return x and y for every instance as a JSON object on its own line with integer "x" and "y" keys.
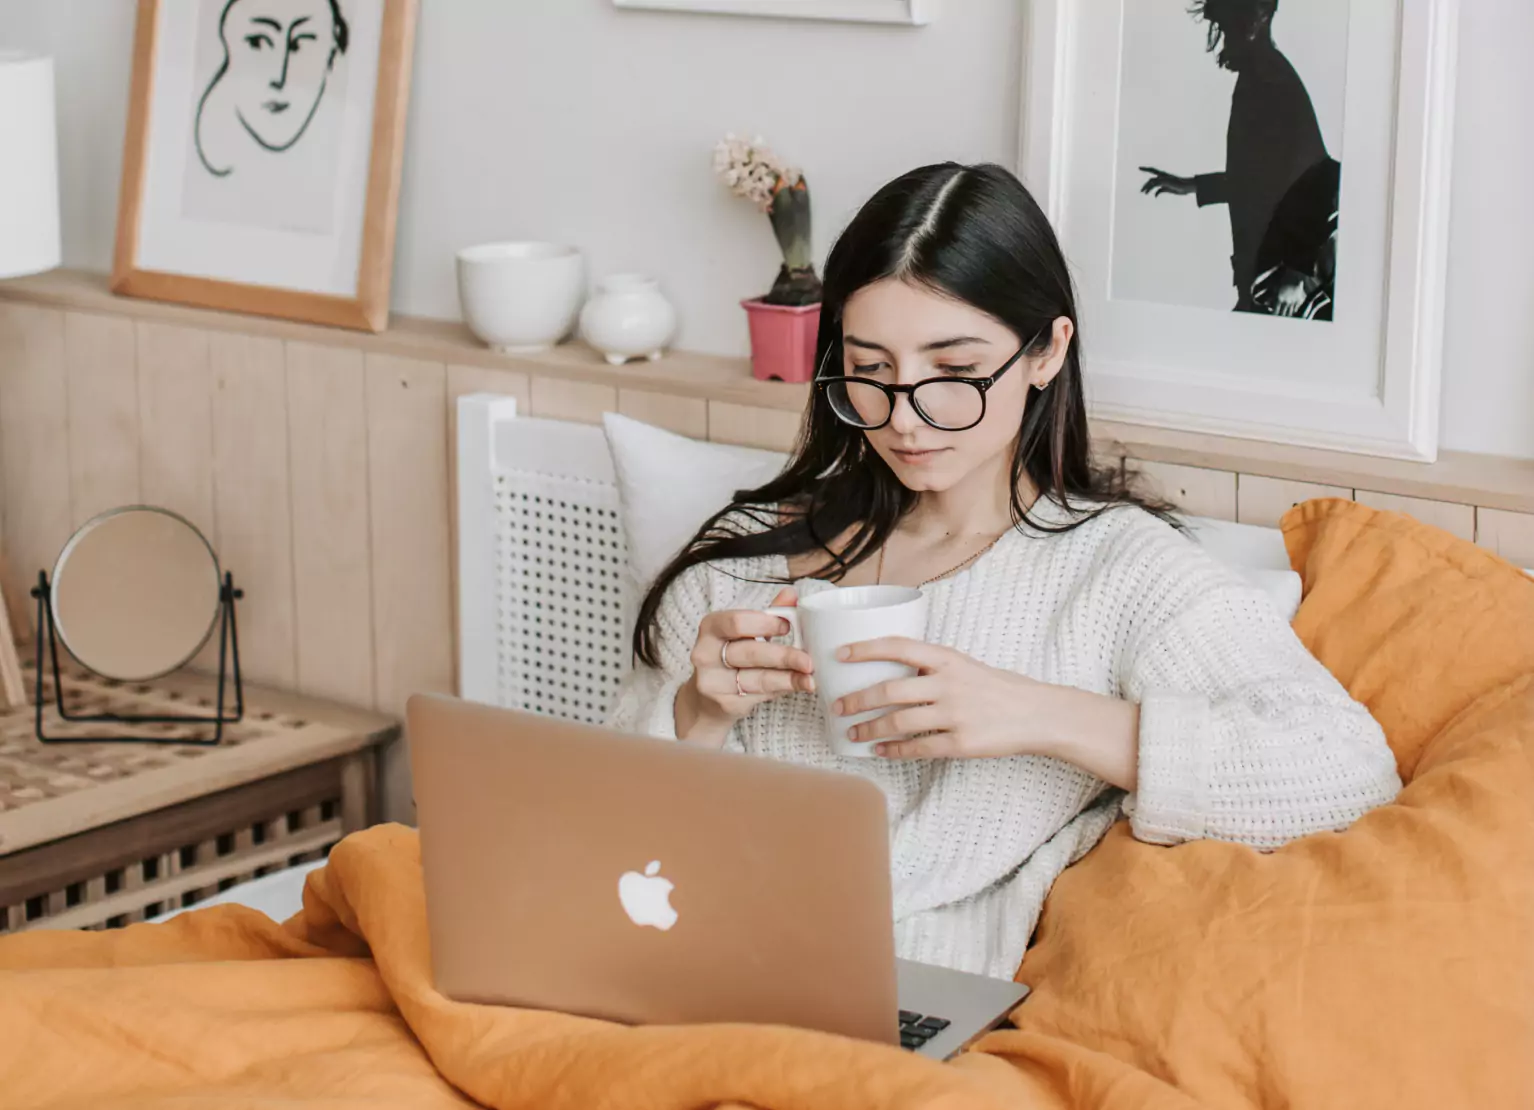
{"x": 257, "y": 42}
{"x": 867, "y": 368}
{"x": 970, "y": 369}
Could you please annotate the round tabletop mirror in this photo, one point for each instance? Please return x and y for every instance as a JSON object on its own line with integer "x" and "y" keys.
{"x": 135, "y": 593}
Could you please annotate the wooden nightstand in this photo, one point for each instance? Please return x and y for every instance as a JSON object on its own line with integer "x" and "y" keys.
{"x": 96, "y": 835}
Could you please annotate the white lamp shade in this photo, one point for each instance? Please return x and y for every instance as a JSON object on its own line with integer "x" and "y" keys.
{"x": 29, "y": 166}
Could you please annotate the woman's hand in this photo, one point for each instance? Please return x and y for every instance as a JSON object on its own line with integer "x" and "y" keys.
{"x": 735, "y": 669}
{"x": 1162, "y": 182}
{"x": 958, "y": 708}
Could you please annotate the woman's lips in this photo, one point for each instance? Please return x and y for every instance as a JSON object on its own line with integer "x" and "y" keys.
{"x": 916, "y": 456}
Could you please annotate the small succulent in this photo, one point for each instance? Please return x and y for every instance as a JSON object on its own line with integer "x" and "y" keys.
{"x": 753, "y": 171}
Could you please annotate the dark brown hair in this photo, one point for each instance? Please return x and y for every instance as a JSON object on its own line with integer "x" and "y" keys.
{"x": 969, "y": 232}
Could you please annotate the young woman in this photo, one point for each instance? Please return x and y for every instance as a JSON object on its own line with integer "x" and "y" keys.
{"x": 1082, "y": 657}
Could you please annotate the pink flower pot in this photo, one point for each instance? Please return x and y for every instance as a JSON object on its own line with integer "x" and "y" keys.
{"x": 782, "y": 340}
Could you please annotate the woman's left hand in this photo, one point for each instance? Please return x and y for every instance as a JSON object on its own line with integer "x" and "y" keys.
{"x": 956, "y": 707}
{"x": 960, "y": 707}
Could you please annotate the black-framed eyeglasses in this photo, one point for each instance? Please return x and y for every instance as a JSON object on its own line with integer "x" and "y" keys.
{"x": 948, "y": 404}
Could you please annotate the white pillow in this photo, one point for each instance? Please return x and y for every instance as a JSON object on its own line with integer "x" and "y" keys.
{"x": 1243, "y": 546}
{"x": 670, "y": 484}
{"x": 1283, "y": 588}
{"x": 1257, "y": 554}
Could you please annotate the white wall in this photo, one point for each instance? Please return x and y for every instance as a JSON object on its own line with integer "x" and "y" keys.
{"x": 570, "y": 120}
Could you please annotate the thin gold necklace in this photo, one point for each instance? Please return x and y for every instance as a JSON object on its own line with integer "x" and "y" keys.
{"x": 879, "y": 573}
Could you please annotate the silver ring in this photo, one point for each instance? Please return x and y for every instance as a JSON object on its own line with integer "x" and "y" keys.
{"x": 739, "y": 692}
{"x": 724, "y": 654}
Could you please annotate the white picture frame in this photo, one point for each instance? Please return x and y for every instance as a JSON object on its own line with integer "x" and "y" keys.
{"x": 914, "y": 13}
{"x": 1391, "y": 405}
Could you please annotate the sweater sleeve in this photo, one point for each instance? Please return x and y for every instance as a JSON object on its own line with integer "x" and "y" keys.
{"x": 1209, "y": 188}
{"x": 1244, "y": 735}
{"x": 646, "y": 698}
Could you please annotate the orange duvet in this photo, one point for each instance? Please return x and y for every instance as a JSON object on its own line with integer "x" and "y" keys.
{"x": 1391, "y": 965}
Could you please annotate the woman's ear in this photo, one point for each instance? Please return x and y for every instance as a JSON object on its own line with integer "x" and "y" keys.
{"x": 1045, "y": 369}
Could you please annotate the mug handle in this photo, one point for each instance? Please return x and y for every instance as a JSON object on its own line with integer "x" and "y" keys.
{"x": 791, "y": 615}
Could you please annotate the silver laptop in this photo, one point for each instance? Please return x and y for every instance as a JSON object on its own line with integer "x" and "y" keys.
{"x": 573, "y": 868}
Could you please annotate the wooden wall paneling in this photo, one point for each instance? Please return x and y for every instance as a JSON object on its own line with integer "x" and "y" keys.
{"x": 462, "y": 379}
{"x": 332, "y": 536}
{"x": 34, "y": 442}
{"x": 748, "y": 426}
{"x": 1193, "y": 490}
{"x": 1458, "y": 476}
{"x": 1264, "y": 501}
{"x": 1510, "y": 535}
{"x": 412, "y": 592}
{"x": 252, "y": 498}
{"x": 565, "y": 399}
{"x": 101, "y": 372}
{"x": 1458, "y": 520}
{"x": 175, "y": 416}
{"x": 175, "y": 421}
{"x": 686, "y": 416}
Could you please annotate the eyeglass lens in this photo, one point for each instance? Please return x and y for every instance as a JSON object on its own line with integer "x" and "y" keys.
{"x": 951, "y": 405}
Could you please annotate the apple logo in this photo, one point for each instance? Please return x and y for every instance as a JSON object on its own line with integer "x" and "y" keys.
{"x": 647, "y": 898}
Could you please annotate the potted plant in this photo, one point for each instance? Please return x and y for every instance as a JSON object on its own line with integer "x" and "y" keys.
{"x": 785, "y": 321}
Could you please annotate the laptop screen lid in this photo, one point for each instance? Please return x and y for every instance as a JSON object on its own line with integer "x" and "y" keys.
{"x": 574, "y": 868}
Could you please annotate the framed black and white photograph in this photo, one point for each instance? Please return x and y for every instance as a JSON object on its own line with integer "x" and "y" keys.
{"x": 1254, "y": 195}
{"x": 262, "y": 165}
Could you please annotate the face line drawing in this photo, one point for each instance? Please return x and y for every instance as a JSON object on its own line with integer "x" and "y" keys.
{"x": 291, "y": 47}
{"x": 293, "y": 40}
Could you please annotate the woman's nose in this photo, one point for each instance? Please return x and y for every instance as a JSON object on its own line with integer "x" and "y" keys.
{"x": 903, "y": 418}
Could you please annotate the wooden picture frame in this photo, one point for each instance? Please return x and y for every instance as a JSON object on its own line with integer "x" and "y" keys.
{"x": 1176, "y": 364}
{"x": 916, "y": 13}
{"x": 363, "y": 307}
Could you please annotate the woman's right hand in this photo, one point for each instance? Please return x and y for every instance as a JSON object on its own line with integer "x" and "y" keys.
{"x": 1162, "y": 182}
{"x": 734, "y": 671}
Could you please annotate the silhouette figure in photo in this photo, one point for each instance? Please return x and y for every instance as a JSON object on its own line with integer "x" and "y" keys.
{"x": 277, "y": 63}
{"x": 1279, "y": 183}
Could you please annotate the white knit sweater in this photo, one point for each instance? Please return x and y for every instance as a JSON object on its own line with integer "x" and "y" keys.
{"x": 1244, "y": 736}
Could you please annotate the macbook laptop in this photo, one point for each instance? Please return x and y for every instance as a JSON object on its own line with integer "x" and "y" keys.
{"x": 573, "y": 868}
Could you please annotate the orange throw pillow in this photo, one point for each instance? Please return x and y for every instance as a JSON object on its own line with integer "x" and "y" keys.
{"x": 1416, "y": 623}
{"x": 1388, "y": 965}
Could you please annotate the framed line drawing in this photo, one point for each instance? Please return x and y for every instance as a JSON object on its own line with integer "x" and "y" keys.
{"x": 914, "y": 12}
{"x": 1254, "y": 195}
{"x": 262, "y": 161}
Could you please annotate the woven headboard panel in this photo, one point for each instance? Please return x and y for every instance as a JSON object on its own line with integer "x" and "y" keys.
{"x": 544, "y": 605}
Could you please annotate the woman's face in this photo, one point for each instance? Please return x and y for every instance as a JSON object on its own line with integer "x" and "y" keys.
{"x": 899, "y": 334}
{"x": 279, "y": 59}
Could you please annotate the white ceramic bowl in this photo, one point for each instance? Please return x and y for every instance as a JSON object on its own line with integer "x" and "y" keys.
{"x": 520, "y": 297}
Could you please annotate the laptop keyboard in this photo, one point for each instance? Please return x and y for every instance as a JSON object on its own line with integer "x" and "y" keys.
{"x": 917, "y": 1029}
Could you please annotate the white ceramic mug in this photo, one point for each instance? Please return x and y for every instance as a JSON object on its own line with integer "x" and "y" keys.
{"x": 832, "y": 619}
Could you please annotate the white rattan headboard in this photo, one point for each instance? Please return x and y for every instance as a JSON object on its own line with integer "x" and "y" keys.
{"x": 543, "y": 599}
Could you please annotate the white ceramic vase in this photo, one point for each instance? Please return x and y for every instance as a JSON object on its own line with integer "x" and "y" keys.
{"x": 520, "y": 297}
{"x": 628, "y": 317}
